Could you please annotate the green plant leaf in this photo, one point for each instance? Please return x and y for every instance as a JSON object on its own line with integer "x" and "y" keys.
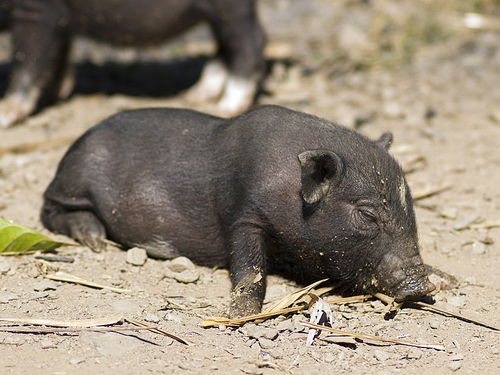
{"x": 16, "y": 239}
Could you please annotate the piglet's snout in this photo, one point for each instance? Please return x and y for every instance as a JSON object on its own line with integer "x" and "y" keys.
{"x": 404, "y": 278}
{"x": 412, "y": 290}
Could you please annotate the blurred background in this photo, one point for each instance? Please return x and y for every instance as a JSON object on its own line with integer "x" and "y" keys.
{"x": 333, "y": 37}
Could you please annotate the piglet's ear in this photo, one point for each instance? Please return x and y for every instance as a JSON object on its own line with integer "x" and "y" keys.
{"x": 319, "y": 168}
{"x": 385, "y": 141}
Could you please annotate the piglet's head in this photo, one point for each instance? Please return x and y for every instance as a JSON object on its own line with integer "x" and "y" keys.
{"x": 357, "y": 207}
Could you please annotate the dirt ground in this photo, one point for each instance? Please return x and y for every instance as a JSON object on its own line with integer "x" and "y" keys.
{"x": 442, "y": 105}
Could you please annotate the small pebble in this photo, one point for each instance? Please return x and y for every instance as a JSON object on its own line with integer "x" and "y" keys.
{"x": 187, "y": 276}
{"x": 40, "y": 295}
{"x": 329, "y": 357}
{"x": 191, "y": 300}
{"x": 297, "y": 336}
{"x": 265, "y": 356}
{"x": 392, "y": 109}
{"x": 173, "y": 318}
{"x": 335, "y": 339}
{"x": 45, "y": 284}
{"x": 277, "y": 353}
{"x": 434, "y": 324}
{"x": 250, "y": 369}
{"x": 436, "y": 280}
{"x": 47, "y": 344}
{"x": 478, "y": 248}
{"x": 315, "y": 354}
{"x": 466, "y": 221}
{"x": 5, "y": 297}
{"x": 12, "y": 341}
{"x": 286, "y": 325}
{"x": 75, "y": 361}
{"x": 266, "y": 343}
{"x": 258, "y": 332}
{"x": 136, "y": 256}
{"x": 11, "y": 272}
{"x": 152, "y": 318}
{"x": 433, "y": 133}
{"x": 182, "y": 270}
{"x": 180, "y": 264}
{"x": 449, "y": 213}
{"x": 349, "y": 315}
{"x": 4, "y": 266}
{"x": 470, "y": 280}
{"x": 382, "y": 356}
{"x": 441, "y": 304}
{"x": 296, "y": 319}
{"x": 414, "y": 354}
{"x": 456, "y": 301}
{"x": 454, "y": 365}
{"x": 126, "y": 307}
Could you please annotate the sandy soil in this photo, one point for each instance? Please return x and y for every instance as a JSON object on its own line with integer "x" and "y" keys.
{"x": 442, "y": 107}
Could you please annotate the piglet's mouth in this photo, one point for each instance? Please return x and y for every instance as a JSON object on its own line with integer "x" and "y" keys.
{"x": 403, "y": 279}
{"x": 409, "y": 290}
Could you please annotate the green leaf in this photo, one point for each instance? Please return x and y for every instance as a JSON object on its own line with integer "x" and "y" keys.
{"x": 16, "y": 239}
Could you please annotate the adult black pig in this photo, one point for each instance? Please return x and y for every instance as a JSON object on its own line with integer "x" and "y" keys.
{"x": 269, "y": 190}
{"x": 42, "y": 31}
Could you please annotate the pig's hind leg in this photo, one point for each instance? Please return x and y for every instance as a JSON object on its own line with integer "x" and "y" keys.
{"x": 241, "y": 44}
{"x": 235, "y": 74}
{"x": 83, "y": 226}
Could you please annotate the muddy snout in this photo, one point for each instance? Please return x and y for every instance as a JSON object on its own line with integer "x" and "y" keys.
{"x": 411, "y": 289}
{"x": 404, "y": 280}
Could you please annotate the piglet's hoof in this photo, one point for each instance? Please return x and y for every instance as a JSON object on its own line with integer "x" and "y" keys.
{"x": 242, "y": 306}
{"x": 243, "y": 296}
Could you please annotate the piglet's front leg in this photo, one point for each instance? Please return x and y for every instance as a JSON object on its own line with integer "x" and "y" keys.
{"x": 247, "y": 268}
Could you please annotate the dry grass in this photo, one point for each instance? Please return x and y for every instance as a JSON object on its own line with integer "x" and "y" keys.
{"x": 390, "y": 31}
